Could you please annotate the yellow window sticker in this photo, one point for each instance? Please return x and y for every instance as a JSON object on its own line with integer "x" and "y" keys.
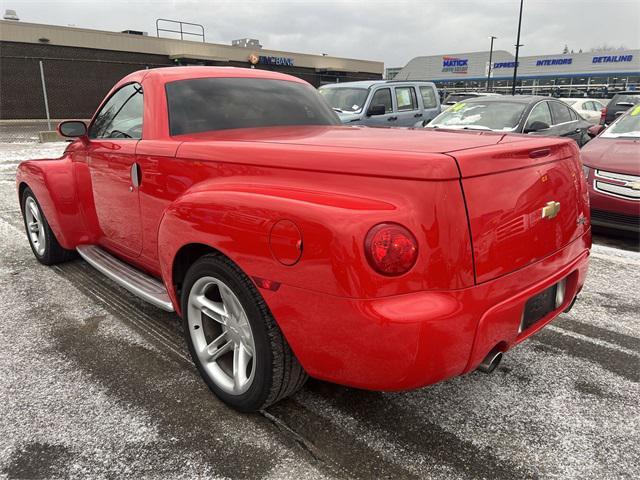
{"x": 635, "y": 111}
{"x": 458, "y": 106}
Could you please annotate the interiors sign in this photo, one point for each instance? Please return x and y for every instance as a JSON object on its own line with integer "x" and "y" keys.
{"x": 455, "y": 65}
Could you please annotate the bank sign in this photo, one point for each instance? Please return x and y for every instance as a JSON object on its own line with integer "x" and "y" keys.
{"x": 267, "y": 60}
{"x": 455, "y": 65}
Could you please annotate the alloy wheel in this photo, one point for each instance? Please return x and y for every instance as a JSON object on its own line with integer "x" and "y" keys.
{"x": 221, "y": 335}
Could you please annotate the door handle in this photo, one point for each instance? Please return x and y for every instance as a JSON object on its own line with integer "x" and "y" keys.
{"x": 136, "y": 175}
{"x": 417, "y": 115}
{"x": 390, "y": 119}
{"x": 578, "y": 130}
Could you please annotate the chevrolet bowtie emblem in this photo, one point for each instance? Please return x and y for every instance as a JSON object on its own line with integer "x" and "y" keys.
{"x": 551, "y": 209}
{"x": 633, "y": 185}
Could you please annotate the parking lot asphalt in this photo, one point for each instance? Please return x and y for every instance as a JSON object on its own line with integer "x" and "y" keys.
{"x": 93, "y": 382}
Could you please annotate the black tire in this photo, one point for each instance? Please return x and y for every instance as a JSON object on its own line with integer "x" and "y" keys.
{"x": 278, "y": 372}
{"x": 53, "y": 253}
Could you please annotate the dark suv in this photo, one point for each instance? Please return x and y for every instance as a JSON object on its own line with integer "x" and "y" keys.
{"x": 620, "y": 103}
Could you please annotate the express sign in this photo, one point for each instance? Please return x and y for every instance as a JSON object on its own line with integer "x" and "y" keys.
{"x": 505, "y": 64}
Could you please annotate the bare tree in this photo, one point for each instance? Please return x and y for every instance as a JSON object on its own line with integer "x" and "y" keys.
{"x": 608, "y": 48}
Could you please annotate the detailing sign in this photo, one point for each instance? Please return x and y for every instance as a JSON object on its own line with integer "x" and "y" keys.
{"x": 612, "y": 58}
{"x": 455, "y": 65}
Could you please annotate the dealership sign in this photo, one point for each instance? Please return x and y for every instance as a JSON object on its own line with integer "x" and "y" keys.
{"x": 612, "y": 58}
{"x": 548, "y": 62}
{"x": 505, "y": 64}
{"x": 267, "y": 60}
{"x": 455, "y": 65}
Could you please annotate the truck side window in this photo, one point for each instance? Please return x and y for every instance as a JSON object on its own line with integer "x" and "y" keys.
{"x": 428, "y": 97}
{"x": 383, "y": 97}
{"x": 121, "y": 116}
{"x": 406, "y": 98}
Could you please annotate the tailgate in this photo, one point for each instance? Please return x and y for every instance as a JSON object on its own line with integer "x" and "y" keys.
{"x": 525, "y": 201}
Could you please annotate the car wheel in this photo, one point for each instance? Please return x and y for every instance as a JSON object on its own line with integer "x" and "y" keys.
{"x": 234, "y": 340}
{"x": 42, "y": 240}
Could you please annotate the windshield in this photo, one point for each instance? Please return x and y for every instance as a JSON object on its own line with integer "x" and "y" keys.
{"x": 206, "y": 104}
{"x": 626, "y": 99}
{"x": 345, "y": 99}
{"x": 501, "y": 116}
{"x": 627, "y": 126}
{"x": 456, "y": 97}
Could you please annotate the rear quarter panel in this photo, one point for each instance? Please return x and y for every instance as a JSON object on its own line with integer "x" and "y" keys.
{"x": 236, "y": 208}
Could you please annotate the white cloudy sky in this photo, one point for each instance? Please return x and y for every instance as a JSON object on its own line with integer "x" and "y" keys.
{"x": 390, "y": 31}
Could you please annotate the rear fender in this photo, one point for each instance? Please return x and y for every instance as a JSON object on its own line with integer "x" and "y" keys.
{"x": 52, "y": 182}
{"x": 238, "y": 221}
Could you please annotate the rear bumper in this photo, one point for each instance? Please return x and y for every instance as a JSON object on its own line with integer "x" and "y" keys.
{"x": 408, "y": 341}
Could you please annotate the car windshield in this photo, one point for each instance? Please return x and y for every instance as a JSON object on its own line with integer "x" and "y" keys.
{"x": 478, "y": 115}
{"x": 627, "y": 126}
{"x": 206, "y": 104}
{"x": 345, "y": 99}
{"x": 455, "y": 98}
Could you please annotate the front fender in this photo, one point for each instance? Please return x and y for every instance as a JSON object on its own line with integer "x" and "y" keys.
{"x": 52, "y": 182}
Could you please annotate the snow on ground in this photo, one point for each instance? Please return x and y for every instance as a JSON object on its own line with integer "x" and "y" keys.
{"x": 95, "y": 383}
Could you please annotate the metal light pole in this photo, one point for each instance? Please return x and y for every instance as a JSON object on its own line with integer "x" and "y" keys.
{"x": 490, "y": 61}
{"x": 515, "y": 67}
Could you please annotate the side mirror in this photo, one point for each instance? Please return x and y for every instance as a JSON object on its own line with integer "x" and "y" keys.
{"x": 72, "y": 129}
{"x": 536, "y": 126}
{"x": 595, "y": 130}
{"x": 376, "y": 110}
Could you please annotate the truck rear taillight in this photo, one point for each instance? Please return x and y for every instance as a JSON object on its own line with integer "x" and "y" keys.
{"x": 391, "y": 249}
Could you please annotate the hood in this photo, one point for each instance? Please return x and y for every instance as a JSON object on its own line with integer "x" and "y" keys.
{"x": 613, "y": 154}
{"x": 348, "y": 117}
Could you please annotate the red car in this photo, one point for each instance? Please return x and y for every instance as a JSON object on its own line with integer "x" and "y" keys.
{"x": 612, "y": 167}
{"x": 291, "y": 245}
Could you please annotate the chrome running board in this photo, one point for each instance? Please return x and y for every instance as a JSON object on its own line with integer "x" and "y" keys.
{"x": 140, "y": 284}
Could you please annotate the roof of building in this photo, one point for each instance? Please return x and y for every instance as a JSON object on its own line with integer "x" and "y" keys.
{"x": 23, "y": 32}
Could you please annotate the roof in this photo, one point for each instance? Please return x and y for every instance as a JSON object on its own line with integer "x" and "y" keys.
{"x": 25, "y": 32}
{"x": 170, "y": 74}
{"x": 371, "y": 83}
{"x": 508, "y": 98}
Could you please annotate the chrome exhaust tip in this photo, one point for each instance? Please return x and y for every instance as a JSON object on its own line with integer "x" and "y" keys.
{"x": 490, "y": 362}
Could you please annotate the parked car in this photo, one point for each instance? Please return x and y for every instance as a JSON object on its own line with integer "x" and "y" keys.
{"x": 386, "y": 103}
{"x": 292, "y": 245}
{"x": 588, "y": 108}
{"x": 619, "y": 103}
{"x": 529, "y": 114}
{"x": 454, "y": 98}
{"x": 612, "y": 167}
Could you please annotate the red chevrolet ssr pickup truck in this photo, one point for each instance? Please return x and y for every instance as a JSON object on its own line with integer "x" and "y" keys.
{"x": 292, "y": 245}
